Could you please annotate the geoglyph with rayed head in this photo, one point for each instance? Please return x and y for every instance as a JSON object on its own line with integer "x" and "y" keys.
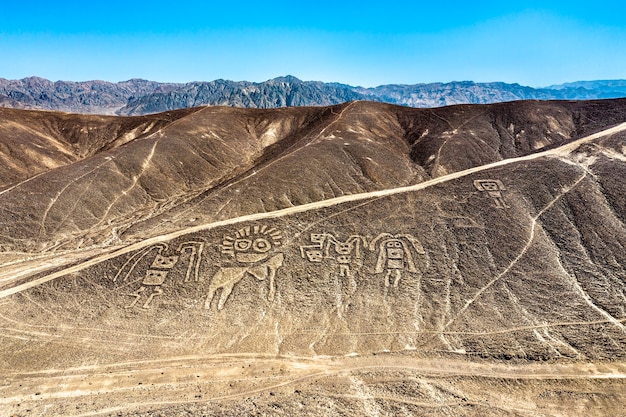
{"x": 253, "y": 248}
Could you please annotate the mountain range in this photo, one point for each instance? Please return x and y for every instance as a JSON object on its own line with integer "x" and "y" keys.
{"x": 139, "y": 97}
{"x": 359, "y": 258}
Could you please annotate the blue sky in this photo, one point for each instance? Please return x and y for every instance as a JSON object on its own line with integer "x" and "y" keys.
{"x": 535, "y": 43}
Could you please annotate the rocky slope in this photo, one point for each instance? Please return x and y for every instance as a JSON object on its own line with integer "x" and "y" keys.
{"x": 597, "y": 87}
{"x": 361, "y": 258}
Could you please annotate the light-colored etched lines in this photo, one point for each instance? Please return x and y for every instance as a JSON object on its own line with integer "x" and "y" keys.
{"x": 22, "y": 182}
{"x": 394, "y": 255}
{"x": 13, "y": 271}
{"x": 363, "y": 394}
{"x": 289, "y": 151}
{"x": 154, "y": 403}
{"x": 144, "y": 166}
{"x": 42, "y": 229}
{"x": 432, "y": 113}
{"x": 347, "y": 254}
{"x": 212, "y": 377}
{"x": 542, "y": 334}
{"x": 463, "y": 333}
{"x": 74, "y": 331}
{"x": 493, "y": 188}
{"x": 253, "y": 249}
{"x": 133, "y": 184}
{"x": 137, "y": 257}
{"x": 371, "y": 196}
{"x": 48, "y": 312}
{"x": 195, "y": 248}
{"x": 408, "y": 401}
{"x": 609, "y": 153}
{"x": 514, "y": 262}
{"x": 339, "y": 116}
{"x": 335, "y": 364}
{"x": 589, "y": 300}
{"x": 60, "y": 339}
{"x": 226, "y": 278}
{"x": 174, "y": 362}
{"x": 77, "y": 200}
{"x": 436, "y": 163}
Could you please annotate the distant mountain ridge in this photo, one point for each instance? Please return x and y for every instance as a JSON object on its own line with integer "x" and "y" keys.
{"x": 139, "y": 97}
{"x": 607, "y": 85}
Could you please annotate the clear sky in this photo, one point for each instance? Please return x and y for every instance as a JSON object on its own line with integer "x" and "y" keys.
{"x": 534, "y": 43}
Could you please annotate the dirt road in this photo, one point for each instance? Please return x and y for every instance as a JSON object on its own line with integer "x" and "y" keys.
{"x": 95, "y": 389}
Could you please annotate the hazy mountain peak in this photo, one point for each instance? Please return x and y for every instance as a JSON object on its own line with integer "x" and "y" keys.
{"x": 287, "y": 79}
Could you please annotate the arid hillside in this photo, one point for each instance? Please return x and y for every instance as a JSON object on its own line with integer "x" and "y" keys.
{"x": 358, "y": 259}
{"x": 116, "y": 180}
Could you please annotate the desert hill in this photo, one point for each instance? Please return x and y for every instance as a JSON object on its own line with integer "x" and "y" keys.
{"x": 362, "y": 259}
{"x": 215, "y": 163}
{"x": 34, "y": 142}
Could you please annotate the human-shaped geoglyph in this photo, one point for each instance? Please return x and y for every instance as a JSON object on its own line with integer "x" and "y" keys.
{"x": 327, "y": 246}
{"x": 395, "y": 255}
{"x": 253, "y": 248}
{"x": 494, "y": 189}
{"x": 157, "y": 273}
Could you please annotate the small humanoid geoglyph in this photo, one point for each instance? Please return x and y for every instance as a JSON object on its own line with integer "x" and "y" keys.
{"x": 157, "y": 273}
{"x": 494, "y": 189}
{"x": 395, "y": 256}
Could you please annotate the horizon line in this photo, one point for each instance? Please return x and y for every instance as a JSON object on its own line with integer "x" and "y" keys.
{"x": 551, "y": 86}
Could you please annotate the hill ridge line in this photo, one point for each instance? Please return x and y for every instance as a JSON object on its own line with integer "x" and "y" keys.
{"x": 556, "y": 153}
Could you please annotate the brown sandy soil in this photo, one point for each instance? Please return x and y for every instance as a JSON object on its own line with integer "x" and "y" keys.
{"x": 385, "y": 384}
{"x": 438, "y": 280}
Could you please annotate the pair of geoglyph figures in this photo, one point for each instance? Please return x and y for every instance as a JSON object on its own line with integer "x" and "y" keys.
{"x": 394, "y": 253}
{"x": 251, "y": 247}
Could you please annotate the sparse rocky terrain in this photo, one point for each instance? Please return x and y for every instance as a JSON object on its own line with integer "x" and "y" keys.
{"x": 354, "y": 259}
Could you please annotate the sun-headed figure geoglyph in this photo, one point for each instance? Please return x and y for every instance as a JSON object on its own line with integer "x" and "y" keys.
{"x": 253, "y": 248}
